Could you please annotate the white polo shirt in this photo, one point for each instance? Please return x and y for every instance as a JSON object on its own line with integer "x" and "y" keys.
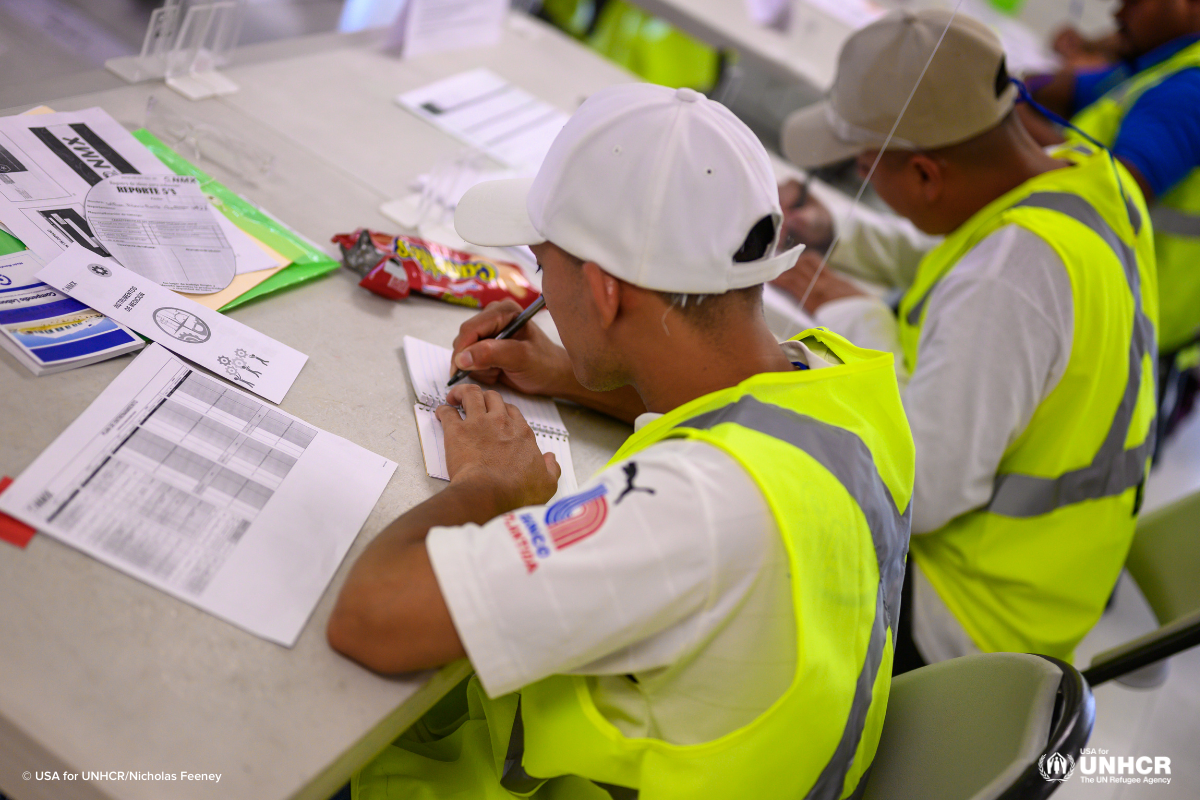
{"x": 671, "y": 590}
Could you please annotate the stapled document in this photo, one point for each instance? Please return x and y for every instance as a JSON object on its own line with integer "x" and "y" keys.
{"x": 492, "y": 114}
{"x": 58, "y": 179}
{"x": 164, "y": 228}
{"x": 432, "y": 26}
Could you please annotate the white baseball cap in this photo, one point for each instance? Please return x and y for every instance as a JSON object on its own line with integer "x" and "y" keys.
{"x": 963, "y": 89}
{"x": 658, "y": 186}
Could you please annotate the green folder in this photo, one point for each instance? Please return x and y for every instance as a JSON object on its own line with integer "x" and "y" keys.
{"x": 9, "y": 244}
{"x": 308, "y": 261}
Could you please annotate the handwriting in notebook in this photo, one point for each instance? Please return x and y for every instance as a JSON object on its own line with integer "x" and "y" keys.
{"x": 429, "y": 370}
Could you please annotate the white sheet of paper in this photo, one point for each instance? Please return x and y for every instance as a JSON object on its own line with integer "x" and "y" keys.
{"x": 49, "y": 162}
{"x": 434, "y": 26}
{"x": 209, "y": 338}
{"x": 205, "y": 493}
{"x": 769, "y": 13}
{"x": 433, "y": 447}
{"x": 429, "y": 369}
{"x": 489, "y": 113}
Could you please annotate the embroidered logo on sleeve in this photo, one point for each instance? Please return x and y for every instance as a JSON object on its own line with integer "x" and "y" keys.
{"x": 568, "y": 521}
{"x": 575, "y": 518}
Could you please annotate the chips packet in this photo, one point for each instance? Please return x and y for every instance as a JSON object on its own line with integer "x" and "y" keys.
{"x": 395, "y": 266}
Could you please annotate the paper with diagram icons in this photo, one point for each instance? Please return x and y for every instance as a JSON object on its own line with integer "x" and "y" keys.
{"x": 230, "y": 349}
{"x": 429, "y": 370}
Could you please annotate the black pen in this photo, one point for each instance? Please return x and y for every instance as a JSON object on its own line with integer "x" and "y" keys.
{"x": 513, "y": 327}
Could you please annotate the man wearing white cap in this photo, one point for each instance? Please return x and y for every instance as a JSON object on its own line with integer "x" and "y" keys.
{"x": 1027, "y": 337}
{"x": 709, "y": 615}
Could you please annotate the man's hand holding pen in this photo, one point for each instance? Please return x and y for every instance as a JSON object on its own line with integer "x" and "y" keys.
{"x": 527, "y": 361}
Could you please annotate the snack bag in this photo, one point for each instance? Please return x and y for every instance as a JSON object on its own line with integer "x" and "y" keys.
{"x": 394, "y": 266}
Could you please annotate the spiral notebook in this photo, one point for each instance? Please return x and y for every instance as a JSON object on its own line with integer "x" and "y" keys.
{"x": 429, "y": 369}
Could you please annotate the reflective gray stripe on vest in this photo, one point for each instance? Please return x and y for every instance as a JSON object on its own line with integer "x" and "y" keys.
{"x": 1114, "y": 469}
{"x": 1174, "y": 221}
{"x": 849, "y": 460}
{"x": 1135, "y": 216}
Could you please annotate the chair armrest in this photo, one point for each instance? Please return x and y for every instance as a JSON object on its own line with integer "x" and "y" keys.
{"x": 1165, "y": 642}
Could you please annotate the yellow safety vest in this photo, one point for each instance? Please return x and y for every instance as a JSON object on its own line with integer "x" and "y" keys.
{"x": 832, "y": 453}
{"x": 639, "y": 42}
{"x": 1031, "y": 570}
{"x": 1175, "y": 217}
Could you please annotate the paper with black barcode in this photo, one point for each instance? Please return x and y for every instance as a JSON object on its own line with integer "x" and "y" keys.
{"x": 429, "y": 369}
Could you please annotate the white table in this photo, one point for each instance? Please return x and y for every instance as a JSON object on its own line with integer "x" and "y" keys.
{"x": 100, "y": 672}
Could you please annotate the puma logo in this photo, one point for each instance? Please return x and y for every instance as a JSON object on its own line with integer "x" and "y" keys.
{"x": 630, "y": 470}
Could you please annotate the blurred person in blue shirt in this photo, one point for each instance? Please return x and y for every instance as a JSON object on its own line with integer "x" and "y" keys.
{"x": 1146, "y": 110}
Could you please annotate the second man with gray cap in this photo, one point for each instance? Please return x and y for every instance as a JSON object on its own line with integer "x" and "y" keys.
{"x": 1027, "y": 336}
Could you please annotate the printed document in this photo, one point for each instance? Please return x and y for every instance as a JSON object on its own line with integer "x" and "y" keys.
{"x": 209, "y": 338}
{"x": 855, "y": 13}
{"x": 429, "y": 369}
{"x": 49, "y": 332}
{"x": 489, "y": 113}
{"x": 59, "y": 170}
{"x": 163, "y": 227}
{"x": 205, "y": 493}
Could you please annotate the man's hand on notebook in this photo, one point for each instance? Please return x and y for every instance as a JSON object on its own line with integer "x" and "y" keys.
{"x": 492, "y": 447}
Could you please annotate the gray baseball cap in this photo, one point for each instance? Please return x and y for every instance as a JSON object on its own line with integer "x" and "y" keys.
{"x": 963, "y": 93}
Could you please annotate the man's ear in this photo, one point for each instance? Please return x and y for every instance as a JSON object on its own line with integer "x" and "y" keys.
{"x": 605, "y": 291}
{"x": 929, "y": 173}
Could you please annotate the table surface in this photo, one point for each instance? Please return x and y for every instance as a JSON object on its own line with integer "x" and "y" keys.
{"x": 102, "y": 672}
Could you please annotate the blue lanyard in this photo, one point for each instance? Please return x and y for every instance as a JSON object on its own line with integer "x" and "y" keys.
{"x": 1026, "y": 97}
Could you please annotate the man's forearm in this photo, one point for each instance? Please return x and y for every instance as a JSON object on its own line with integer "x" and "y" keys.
{"x": 390, "y": 615}
{"x": 877, "y": 247}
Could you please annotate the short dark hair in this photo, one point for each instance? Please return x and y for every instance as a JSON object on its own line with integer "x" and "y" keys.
{"x": 705, "y": 310}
